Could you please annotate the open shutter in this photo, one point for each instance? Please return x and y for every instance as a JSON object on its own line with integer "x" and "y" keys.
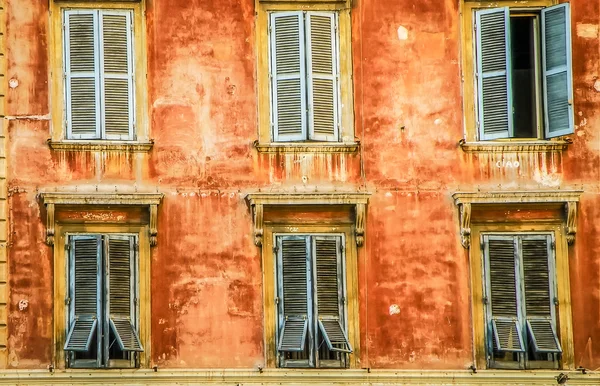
{"x": 122, "y": 289}
{"x": 294, "y": 292}
{"x": 288, "y": 76}
{"x": 323, "y": 98}
{"x": 538, "y": 276}
{"x": 330, "y": 292}
{"x": 494, "y": 74}
{"x": 117, "y": 74}
{"x": 502, "y": 308}
{"x": 85, "y": 253}
{"x": 82, "y": 74}
{"x": 557, "y": 71}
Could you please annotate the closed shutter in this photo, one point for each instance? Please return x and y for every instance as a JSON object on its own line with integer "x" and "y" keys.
{"x": 85, "y": 258}
{"x": 330, "y": 292}
{"x": 323, "y": 98}
{"x": 502, "y": 292}
{"x": 294, "y": 271}
{"x": 288, "y": 76}
{"x": 122, "y": 291}
{"x": 81, "y": 74}
{"x": 494, "y": 74}
{"x": 117, "y": 74}
{"x": 557, "y": 70}
{"x": 539, "y": 290}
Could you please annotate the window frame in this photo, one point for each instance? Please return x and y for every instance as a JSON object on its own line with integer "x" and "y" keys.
{"x": 139, "y": 140}
{"x": 472, "y": 140}
{"x": 556, "y": 228}
{"x": 61, "y": 289}
{"x": 266, "y": 137}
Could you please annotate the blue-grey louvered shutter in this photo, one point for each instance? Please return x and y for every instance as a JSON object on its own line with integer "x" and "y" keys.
{"x": 502, "y": 292}
{"x": 122, "y": 290}
{"x": 323, "y": 96}
{"x": 327, "y": 251}
{"x": 557, "y": 71}
{"x": 84, "y": 281}
{"x": 82, "y": 85}
{"x": 288, "y": 76}
{"x": 494, "y": 74}
{"x": 538, "y": 277}
{"x": 294, "y": 292}
{"x": 117, "y": 74}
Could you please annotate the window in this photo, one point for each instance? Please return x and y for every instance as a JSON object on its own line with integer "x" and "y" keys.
{"x": 520, "y": 301}
{"x": 98, "y": 75}
{"x": 103, "y": 301}
{"x": 305, "y": 66}
{"x": 311, "y": 310}
{"x": 521, "y": 72}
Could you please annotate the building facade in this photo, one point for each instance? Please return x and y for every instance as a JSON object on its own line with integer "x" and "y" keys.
{"x": 305, "y": 191}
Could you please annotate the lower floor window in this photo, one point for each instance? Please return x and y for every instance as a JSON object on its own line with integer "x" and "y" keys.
{"x": 311, "y": 301}
{"x": 102, "y": 312}
{"x": 520, "y": 300}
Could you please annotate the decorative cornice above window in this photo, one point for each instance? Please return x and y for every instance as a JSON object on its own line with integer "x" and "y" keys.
{"x": 465, "y": 200}
{"x": 258, "y": 200}
{"x": 52, "y": 199}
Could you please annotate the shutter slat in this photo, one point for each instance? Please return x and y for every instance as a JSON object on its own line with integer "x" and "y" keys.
{"x": 556, "y": 64}
{"x": 322, "y": 74}
{"x": 114, "y": 40}
{"x": 293, "y": 335}
{"x": 334, "y": 335}
{"x": 82, "y": 53}
{"x": 126, "y": 334}
{"x": 543, "y": 335}
{"x": 328, "y": 288}
{"x": 507, "y": 335}
{"x": 81, "y": 335}
{"x": 494, "y": 74}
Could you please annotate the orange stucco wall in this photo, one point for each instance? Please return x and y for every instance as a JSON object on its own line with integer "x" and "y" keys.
{"x": 206, "y": 272}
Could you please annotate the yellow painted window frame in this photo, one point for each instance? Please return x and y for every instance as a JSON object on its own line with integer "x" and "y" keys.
{"x": 265, "y": 136}
{"x": 562, "y": 283}
{"x": 469, "y": 63}
{"x": 269, "y": 259}
{"x": 61, "y": 290}
{"x": 57, "y": 103}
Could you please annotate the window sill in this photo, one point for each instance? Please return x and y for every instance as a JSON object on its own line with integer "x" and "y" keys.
{"x": 532, "y": 146}
{"x": 124, "y": 146}
{"x": 307, "y": 147}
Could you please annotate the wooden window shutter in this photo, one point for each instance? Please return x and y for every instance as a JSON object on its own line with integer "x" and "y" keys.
{"x": 494, "y": 74}
{"x": 294, "y": 271}
{"x": 117, "y": 74}
{"x": 538, "y": 276}
{"x": 557, "y": 71}
{"x": 288, "y": 76}
{"x": 85, "y": 284}
{"x": 323, "y": 97}
{"x": 122, "y": 289}
{"x": 330, "y": 292}
{"x": 81, "y": 74}
{"x": 502, "y": 293}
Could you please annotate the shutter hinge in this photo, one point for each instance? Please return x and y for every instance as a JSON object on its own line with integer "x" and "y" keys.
{"x": 485, "y": 300}
{"x": 482, "y": 244}
{"x": 67, "y": 246}
{"x": 556, "y": 301}
{"x": 553, "y": 245}
{"x": 136, "y": 247}
{"x": 275, "y": 249}
{"x": 276, "y": 299}
{"x": 342, "y": 248}
{"x": 136, "y": 301}
{"x": 67, "y": 301}
{"x": 475, "y": 27}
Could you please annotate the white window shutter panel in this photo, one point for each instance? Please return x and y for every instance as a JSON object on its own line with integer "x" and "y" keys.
{"x": 322, "y": 59}
{"x": 494, "y": 74}
{"x": 557, "y": 71}
{"x": 122, "y": 290}
{"x": 82, "y": 74}
{"x": 85, "y": 284}
{"x": 117, "y": 74}
{"x": 288, "y": 76}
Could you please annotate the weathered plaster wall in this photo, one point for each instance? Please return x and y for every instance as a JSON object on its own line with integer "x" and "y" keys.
{"x": 206, "y": 272}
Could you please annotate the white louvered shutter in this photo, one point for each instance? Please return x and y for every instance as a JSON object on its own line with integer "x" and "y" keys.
{"x": 294, "y": 290}
{"x": 557, "y": 71}
{"x": 122, "y": 290}
{"x": 502, "y": 291}
{"x": 330, "y": 292}
{"x": 288, "y": 76}
{"x": 322, "y": 72}
{"x": 116, "y": 74}
{"x": 538, "y": 275}
{"x": 81, "y": 74}
{"x": 84, "y": 266}
{"x": 494, "y": 74}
